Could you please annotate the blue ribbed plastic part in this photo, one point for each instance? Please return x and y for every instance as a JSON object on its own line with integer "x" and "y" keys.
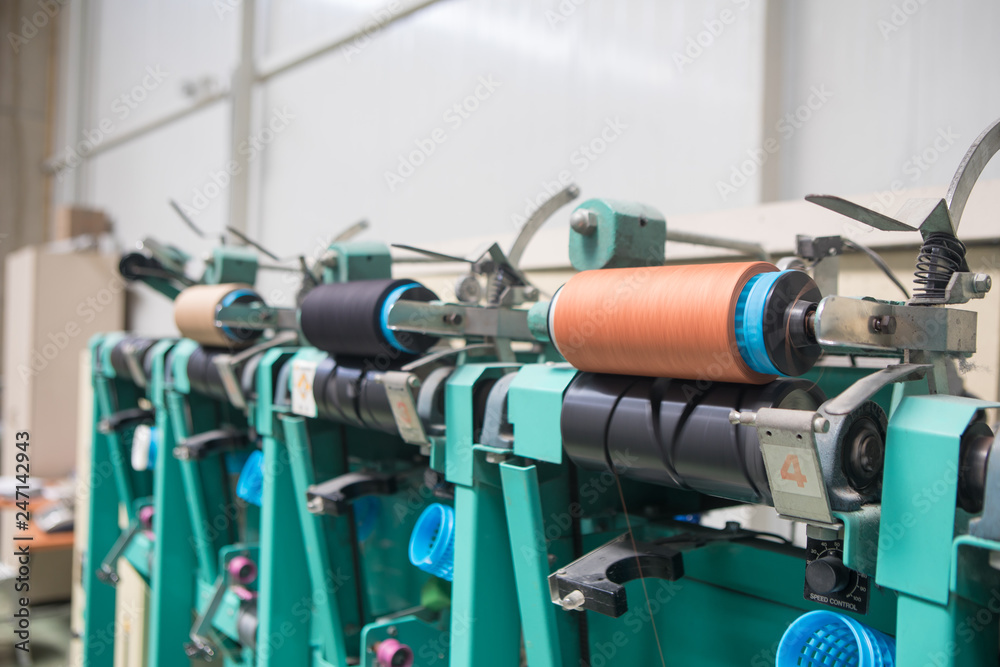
{"x": 231, "y": 298}
{"x": 432, "y": 544}
{"x": 750, "y": 322}
{"x": 829, "y": 639}
{"x": 366, "y": 511}
{"x": 250, "y": 487}
{"x": 389, "y": 334}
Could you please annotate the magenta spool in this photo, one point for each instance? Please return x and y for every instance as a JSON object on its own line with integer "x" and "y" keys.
{"x": 242, "y": 570}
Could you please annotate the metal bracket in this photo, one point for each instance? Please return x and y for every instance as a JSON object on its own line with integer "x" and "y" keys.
{"x": 962, "y": 288}
{"x": 202, "y": 645}
{"x": 107, "y": 572}
{"x": 851, "y": 398}
{"x": 336, "y": 495}
{"x": 257, "y": 316}
{"x": 399, "y": 387}
{"x": 788, "y": 443}
{"x": 135, "y": 364}
{"x": 227, "y": 364}
{"x": 804, "y": 451}
{"x": 448, "y": 319}
{"x": 210, "y": 442}
{"x": 866, "y": 324}
{"x": 594, "y": 581}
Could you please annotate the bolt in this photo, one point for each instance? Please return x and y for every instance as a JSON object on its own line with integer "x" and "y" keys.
{"x": 391, "y": 631}
{"x": 981, "y": 283}
{"x": 573, "y": 601}
{"x": 583, "y": 222}
{"x": 885, "y": 324}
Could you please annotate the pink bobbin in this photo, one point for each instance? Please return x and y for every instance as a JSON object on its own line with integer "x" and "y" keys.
{"x": 242, "y": 570}
{"x": 391, "y": 653}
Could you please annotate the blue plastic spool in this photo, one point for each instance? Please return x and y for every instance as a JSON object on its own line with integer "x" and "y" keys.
{"x": 432, "y": 544}
{"x": 250, "y": 486}
{"x": 389, "y": 334}
{"x": 829, "y": 639}
{"x": 229, "y": 300}
{"x": 750, "y": 322}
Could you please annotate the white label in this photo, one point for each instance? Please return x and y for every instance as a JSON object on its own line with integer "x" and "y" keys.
{"x": 793, "y": 470}
{"x": 303, "y": 401}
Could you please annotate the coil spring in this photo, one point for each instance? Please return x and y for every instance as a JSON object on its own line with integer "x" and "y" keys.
{"x": 500, "y": 283}
{"x": 940, "y": 256}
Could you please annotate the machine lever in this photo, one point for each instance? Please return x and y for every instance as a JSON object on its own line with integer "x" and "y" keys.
{"x": 594, "y": 581}
{"x": 106, "y": 572}
{"x": 202, "y": 644}
{"x": 210, "y": 442}
{"x": 125, "y": 418}
{"x": 336, "y": 495}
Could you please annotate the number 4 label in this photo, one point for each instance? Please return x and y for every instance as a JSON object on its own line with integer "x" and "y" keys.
{"x": 793, "y": 470}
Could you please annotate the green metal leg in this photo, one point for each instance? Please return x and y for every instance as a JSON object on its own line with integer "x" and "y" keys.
{"x": 963, "y": 634}
{"x": 531, "y": 564}
{"x": 211, "y": 522}
{"x": 283, "y": 588}
{"x": 106, "y": 406}
{"x": 172, "y": 584}
{"x": 317, "y": 547}
{"x": 99, "y": 613}
{"x": 484, "y": 619}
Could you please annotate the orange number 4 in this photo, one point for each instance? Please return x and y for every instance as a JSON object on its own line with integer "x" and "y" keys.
{"x": 792, "y": 471}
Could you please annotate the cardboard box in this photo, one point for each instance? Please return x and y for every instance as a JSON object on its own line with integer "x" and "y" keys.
{"x": 74, "y": 221}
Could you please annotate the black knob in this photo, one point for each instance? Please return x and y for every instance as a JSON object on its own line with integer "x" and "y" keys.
{"x": 827, "y": 575}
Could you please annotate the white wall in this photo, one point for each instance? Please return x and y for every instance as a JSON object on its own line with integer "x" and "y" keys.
{"x": 565, "y": 67}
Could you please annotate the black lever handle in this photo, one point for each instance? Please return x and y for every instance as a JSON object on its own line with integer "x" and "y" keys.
{"x": 336, "y": 495}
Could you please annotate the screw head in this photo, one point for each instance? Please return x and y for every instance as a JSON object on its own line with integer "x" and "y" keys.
{"x": 583, "y": 222}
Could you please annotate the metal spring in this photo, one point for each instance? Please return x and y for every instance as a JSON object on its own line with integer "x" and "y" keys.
{"x": 940, "y": 256}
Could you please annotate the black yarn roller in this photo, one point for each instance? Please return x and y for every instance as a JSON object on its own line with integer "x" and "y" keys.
{"x": 350, "y": 318}
{"x": 351, "y": 395}
{"x": 674, "y": 432}
{"x": 203, "y": 374}
{"x": 118, "y": 357}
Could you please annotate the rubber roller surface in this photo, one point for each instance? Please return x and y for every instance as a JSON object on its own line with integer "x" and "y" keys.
{"x": 675, "y": 433}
